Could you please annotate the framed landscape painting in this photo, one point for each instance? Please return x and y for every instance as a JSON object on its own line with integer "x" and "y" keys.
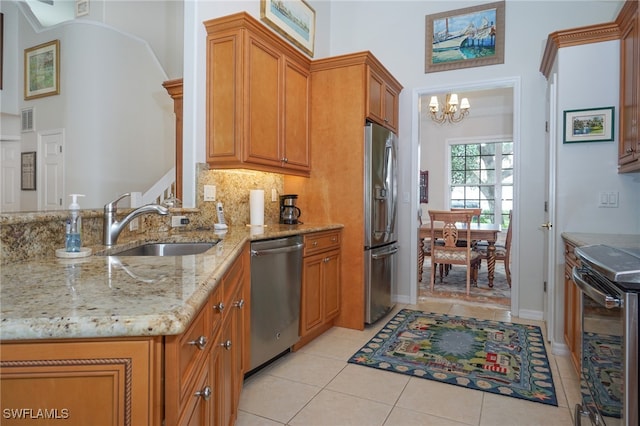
{"x": 295, "y": 20}
{"x": 42, "y": 70}
{"x": 464, "y": 38}
{"x": 588, "y": 125}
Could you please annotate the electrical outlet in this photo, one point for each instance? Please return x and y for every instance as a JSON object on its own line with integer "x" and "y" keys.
{"x": 209, "y": 193}
{"x": 134, "y": 225}
{"x": 179, "y": 221}
{"x": 274, "y": 195}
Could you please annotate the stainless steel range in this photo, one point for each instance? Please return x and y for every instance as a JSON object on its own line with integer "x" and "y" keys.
{"x": 609, "y": 280}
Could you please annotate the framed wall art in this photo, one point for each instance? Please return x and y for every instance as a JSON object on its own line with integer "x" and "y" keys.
{"x": 28, "y": 171}
{"x": 464, "y": 38}
{"x": 295, "y": 20}
{"x": 588, "y": 125}
{"x": 42, "y": 70}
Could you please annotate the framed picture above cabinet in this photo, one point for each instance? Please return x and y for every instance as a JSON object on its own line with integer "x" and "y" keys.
{"x": 295, "y": 20}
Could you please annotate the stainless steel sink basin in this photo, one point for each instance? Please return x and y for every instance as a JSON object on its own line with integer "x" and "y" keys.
{"x": 167, "y": 249}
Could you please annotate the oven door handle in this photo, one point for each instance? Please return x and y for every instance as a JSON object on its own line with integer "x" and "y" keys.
{"x": 599, "y": 297}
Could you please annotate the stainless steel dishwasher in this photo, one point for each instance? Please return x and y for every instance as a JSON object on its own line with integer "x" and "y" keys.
{"x": 276, "y": 281}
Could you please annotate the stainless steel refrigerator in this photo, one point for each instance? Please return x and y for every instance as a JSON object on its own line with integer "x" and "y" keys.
{"x": 380, "y": 206}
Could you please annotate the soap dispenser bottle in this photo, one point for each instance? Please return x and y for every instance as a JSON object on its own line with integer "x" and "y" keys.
{"x": 73, "y": 238}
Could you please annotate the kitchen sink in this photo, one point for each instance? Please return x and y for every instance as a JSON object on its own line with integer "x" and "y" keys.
{"x": 167, "y": 249}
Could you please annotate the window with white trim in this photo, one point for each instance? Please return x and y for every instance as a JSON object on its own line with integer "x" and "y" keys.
{"x": 481, "y": 176}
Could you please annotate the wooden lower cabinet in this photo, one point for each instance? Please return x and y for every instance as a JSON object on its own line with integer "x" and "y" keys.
{"x": 81, "y": 382}
{"x": 320, "y": 298}
{"x": 194, "y": 378}
{"x": 215, "y": 381}
{"x": 572, "y": 308}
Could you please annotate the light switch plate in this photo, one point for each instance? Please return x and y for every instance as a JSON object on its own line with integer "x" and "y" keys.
{"x": 209, "y": 193}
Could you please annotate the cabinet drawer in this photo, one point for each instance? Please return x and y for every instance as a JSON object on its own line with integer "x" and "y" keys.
{"x": 192, "y": 346}
{"x": 321, "y": 241}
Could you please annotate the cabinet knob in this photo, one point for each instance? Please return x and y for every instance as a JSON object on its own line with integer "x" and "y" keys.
{"x": 629, "y": 150}
{"x": 285, "y": 160}
{"x": 226, "y": 345}
{"x": 200, "y": 342}
{"x": 219, "y": 306}
{"x": 334, "y": 239}
{"x": 205, "y": 393}
{"x": 315, "y": 243}
{"x": 239, "y": 304}
{"x": 326, "y": 259}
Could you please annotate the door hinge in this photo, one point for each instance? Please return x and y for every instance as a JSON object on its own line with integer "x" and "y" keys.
{"x": 546, "y": 126}
{"x": 546, "y": 207}
{"x": 544, "y": 286}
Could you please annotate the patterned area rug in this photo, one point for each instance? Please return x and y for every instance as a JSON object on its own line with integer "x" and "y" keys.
{"x": 604, "y": 370}
{"x": 492, "y": 356}
{"x": 454, "y": 285}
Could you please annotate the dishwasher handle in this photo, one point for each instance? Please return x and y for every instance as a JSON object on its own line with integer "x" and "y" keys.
{"x": 286, "y": 249}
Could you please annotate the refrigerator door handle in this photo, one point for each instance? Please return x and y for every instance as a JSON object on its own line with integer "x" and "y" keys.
{"x": 385, "y": 254}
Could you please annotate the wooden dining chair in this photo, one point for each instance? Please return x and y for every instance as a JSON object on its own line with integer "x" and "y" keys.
{"x": 502, "y": 253}
{"x": 449, "y": 253}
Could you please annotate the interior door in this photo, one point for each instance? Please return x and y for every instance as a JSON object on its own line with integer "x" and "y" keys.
{"x": 549, "y": 207}
{"x": 51, "y": 165}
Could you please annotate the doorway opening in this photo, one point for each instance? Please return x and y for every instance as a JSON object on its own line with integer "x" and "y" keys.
{"x": 493, "y": 116}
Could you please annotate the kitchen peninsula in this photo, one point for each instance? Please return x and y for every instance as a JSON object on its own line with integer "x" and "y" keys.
{"x": 134, "y": 330}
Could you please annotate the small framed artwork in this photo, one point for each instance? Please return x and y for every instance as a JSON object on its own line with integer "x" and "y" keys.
{"x": 82, "y": 8}
{"x": 295, "y": 20}
{"x": 424, "y": 186}
{"x": 28, "y": 171}
{"x": 589, "y": 125}
{"x": 42, "y": 70}
{"x": 464, "y": 38}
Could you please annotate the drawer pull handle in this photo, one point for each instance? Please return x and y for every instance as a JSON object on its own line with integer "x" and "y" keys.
{"x": 315, "y": 244}
{"x": 205, "y": 393}
{"x": 226, "y": 345}
{"x": 219, "y": 306}
{"x": 200, "y": 342}
{"x": 239, "y": 304}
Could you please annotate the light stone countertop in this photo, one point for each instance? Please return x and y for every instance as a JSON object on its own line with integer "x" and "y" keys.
{"x": 111, "y": 296}
{"x": 615, "y": 240}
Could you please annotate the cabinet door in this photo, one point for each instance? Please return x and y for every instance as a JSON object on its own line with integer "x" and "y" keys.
{"x": 391, "y": 108}
{"x": 630, "y": 85}
{"x": 311, "y": 309}
{"x": 199, "y": 408}
{"x": 376, "y": 95}
{"x": 331, "y": 281}
{"x": 224, "y": 99}
{"x": 95, "y": 382}
{"x": 296, "y": 117}
{"x": 262, "y": 103}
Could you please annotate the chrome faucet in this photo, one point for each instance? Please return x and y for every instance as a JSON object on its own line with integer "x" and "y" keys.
{"x": 113, "y": 228}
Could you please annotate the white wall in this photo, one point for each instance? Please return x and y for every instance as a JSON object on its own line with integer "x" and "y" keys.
{"x": 117, "y": 117}
{"x": 587, "y": 77}
{"x": 394, "y": 31}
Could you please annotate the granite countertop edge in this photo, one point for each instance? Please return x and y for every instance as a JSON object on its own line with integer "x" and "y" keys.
{"x": 589, "y": 238}
{"x": 105, "y": 299}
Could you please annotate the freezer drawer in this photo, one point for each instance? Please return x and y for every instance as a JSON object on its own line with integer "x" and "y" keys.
{"x": 380, "y": 280}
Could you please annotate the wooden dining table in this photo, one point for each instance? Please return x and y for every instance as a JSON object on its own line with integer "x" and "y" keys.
{"x": 479, "y": 232}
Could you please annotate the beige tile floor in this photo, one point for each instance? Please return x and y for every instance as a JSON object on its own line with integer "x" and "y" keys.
{"x": 316, "y": 386}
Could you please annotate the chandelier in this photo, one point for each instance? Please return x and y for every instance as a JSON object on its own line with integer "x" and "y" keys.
{"x": 450, "y": 111}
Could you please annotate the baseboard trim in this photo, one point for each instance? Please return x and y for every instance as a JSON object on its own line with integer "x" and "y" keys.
{"x": 531, "y": 314}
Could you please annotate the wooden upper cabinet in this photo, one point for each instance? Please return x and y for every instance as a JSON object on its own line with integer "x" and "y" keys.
{"x": 629, "y": 141}
{"x": 258, "y": 93}
{"x": 382, "y": 103}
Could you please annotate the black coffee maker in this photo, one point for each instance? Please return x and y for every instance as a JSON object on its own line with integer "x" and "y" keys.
{"x": 289, "y": 213}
